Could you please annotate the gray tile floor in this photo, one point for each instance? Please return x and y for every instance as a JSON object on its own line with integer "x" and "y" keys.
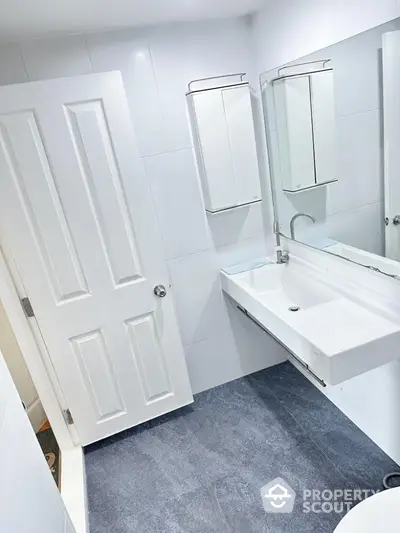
{"x": 200, "y": 469}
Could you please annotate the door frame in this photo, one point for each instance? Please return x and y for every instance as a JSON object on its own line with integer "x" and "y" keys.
{"x": 33, "y": 349}
{"x": 391, "y": 139}
{"x": 34, "y": 353}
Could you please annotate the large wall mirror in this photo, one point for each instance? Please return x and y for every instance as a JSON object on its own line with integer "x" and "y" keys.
{"x": 333, "y": 131}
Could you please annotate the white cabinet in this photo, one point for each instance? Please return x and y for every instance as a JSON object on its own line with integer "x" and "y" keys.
{"x": 323, "y": 113}
{"x": 224, "y": 139}
{"x": 294, "y": 128}
{"x": 305, "y": 122}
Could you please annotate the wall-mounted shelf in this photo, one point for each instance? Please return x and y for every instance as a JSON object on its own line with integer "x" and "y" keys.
{"x": 310, "y": 187}
{"x": 240, "y": 206}
{"x": 207, "y": 84}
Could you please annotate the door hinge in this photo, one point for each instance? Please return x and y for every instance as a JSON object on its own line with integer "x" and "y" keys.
{"x": 27, "y": 307}
{"x": 68, "y": 417}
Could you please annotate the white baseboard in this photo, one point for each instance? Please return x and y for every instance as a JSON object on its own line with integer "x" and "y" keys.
{"x": 36, "y": 415}
{"x": 73, "y": 487}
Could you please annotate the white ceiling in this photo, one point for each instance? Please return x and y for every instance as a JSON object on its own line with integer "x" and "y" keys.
{"x": 21, "y": 19}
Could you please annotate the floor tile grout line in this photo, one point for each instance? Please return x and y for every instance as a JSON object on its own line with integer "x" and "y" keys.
{"x": 275, "y": 407}
{"x": 215, "y": 496}
{"x": 328, "y": 430}
{"x": 310, "y": 436}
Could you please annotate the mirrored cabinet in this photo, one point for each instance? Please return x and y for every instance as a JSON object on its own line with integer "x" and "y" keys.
{"x": 305, "y": 129}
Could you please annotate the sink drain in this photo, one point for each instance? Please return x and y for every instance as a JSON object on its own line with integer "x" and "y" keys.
{"x": 294, "y": 308}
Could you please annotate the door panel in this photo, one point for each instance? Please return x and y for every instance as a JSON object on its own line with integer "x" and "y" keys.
{"x": 23, "y": 154}
{"x": 76, "y": 211}
{"x": 96, "y": 368}
{"x": 94, "y": 151}
{"x": 153, "y": 369}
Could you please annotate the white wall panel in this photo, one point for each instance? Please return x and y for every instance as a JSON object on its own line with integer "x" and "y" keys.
{"x": 29, "y": 499}
{"x": 236, "y": 225}
{"x": 360, "y": 170}
{"x": 225, "y": 355}
{"x": 66, "y": 56}
{"x": 177, "y": 197}
{"x": 198, "y": 295}
{"x": 12, "y": 68}
{"x": 284, "y": 31}
{"x": 192, "y": 51}
{"x": 130, "y": 53}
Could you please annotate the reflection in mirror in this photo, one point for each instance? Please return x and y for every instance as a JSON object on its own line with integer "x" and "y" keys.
{"x": 304, "y": 126}
{"x": 334, "y": 160}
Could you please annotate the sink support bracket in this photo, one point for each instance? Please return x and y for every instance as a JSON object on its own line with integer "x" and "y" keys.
{"x": 291, "y": 354}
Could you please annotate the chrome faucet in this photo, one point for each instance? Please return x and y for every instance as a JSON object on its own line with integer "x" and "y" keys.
{"x": 297, "y": 215}
{"x": 282, "y": 257}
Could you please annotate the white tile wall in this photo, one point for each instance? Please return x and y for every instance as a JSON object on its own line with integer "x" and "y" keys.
{"x": 29, "y": 498}
{"x": 356, "y": 73}
{"x": 282, "y": 34}
{"x": 360, "y": 162}
{"x": 177, "y": 197}
{"x": 156, "y": 65}
{"x": 130, "y": 53}
{"x": 362, "y": 227}
{"x": 233, "y": 254}
{"x": 12, "y": 68}
{"x": 202, "y": 314}
{"x": 62, "y": 57}
{"x": 236, "y": 225}
{"x": 225, "y": 355}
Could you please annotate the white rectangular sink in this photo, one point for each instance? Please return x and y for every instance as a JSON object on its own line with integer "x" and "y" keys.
{"x": 337, "y": 338}
{"x": 283, "y": 288}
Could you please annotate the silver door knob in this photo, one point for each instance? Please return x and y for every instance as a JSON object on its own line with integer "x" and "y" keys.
{"x": 396, "y": 220}
{"x": 160, "y": 291}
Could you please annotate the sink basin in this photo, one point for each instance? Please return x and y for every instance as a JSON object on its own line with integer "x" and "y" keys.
{"x": 282, "y": 287}
{"x": 330, "y": 333}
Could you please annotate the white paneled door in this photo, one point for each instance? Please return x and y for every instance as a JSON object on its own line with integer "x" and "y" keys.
{"x": 77, "y": 216}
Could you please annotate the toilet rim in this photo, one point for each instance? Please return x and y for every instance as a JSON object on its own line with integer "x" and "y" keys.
{"x": 370, "y": 515}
